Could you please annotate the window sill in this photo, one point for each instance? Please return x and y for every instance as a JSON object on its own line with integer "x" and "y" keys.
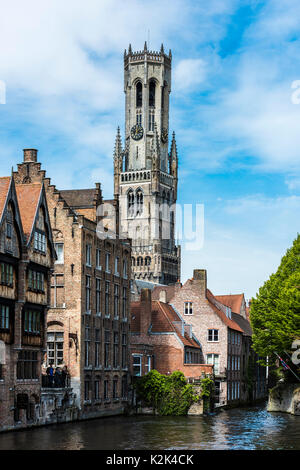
{"x": 117, "y": 318}
{"x": 99, "y": 268}
{"x": 99, "y": 315}
{"x": 116, "y": 400}
{"x": 107, "y": 400}
{"x": 98, "y": 368}
{"x": 124, "y": 319}
{"x": 87, "y": 402}
{"x": 88, "y": 367}
{"x": 98, "y": 401}
{"x": 107, "y": 368}
{"x": 107, "y": 316}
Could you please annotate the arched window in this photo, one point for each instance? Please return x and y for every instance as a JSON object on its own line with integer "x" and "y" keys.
{"x": 147, "y": 261}
{"x": 139, "y": 95}
{"x": 152, "y": 93}
{"x": 139, "y": 261}
{"x": 139, "y": 201}
{"x": 130, "y": 201}
{"x": 133, "y": 261}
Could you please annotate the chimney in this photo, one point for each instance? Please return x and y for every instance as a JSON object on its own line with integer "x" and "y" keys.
{"x": 163, "y": 296}
{"x": 146, "y": 308}
{"x": 30, "y": 155}
{"x": 200, "y": 278}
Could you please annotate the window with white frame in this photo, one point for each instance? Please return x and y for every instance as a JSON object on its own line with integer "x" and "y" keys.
{"x": 88, "y": 255}
{"x": 117, "y": 266}
{"x": 214, "y": 359}
{"x": 125, "y": 268}
{"x": 107, "y": 262}
{"x": 55, "y": 348}
{"x": 212, "y": 335}
{"x": 188, "y": 308}
{"x": 148, "y": 363}
{"x": 98, "y": 258}
{"x": 59, "y": 248}
{"x": 137, "y": 366}
{"x": 40, "y": 241}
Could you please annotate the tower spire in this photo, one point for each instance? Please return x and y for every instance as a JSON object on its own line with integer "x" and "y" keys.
{"x": 173, "y": 153}
{"x": 118, "y": 145}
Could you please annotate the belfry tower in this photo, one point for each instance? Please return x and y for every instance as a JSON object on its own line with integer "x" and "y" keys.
{"x": 145, "y": 172}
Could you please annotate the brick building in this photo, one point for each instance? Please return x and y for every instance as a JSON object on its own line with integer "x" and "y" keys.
{"x": 252, "y": 375}
{"x": 88, "y": 322}
{"x": 221, "y": 337}
{"x": 162, "y": 340}
{"x": 26, "y": 258}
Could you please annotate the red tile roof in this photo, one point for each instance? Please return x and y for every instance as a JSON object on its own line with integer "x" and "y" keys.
{"x": 162, "y": 318}
{"x": 28, "y": 197}
{"x": 230, "y": 323}
{"x": 234, "y": 301}
{"x": 4, "y": 187}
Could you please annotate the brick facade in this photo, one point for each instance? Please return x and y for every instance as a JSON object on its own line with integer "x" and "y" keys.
{"x": 162, "y": 340}
{"x": 89, "y": 314}
{"x": 26, "y": 258}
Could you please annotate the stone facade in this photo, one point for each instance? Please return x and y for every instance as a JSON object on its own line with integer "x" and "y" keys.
{"x": 88, "y": 322}
{"x": 145, "y": 173}
{"x": 26, "y": 259}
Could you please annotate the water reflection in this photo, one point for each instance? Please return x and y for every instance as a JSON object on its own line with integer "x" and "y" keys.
{"x": 247, "y": 428}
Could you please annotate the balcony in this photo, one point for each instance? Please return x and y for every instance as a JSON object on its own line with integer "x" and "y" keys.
{"x": 57, "y": 383}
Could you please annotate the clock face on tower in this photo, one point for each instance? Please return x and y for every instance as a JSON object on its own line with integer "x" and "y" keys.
{"x": 137, "y": 132}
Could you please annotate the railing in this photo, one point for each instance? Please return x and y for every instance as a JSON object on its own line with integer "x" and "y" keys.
{"x": 55, "y": 381}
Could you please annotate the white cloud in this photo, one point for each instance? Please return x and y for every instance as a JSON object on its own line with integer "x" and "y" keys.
{"x": 188, "y": 74}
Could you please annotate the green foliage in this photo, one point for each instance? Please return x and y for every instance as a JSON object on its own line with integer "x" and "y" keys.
{"x": 207, "y": 386}
{"x": 168, "y": 394}
{"x": 275, "y": 312}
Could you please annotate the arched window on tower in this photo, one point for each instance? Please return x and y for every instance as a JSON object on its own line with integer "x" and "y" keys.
{"x": 139, "y": 95}
{"x": 152, "y": 93}
{"x": 130, "y": 203}
{"x": 139, "y": 202}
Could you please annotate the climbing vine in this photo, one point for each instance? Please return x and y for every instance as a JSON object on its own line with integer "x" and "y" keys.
{"x": 170, "y": 394}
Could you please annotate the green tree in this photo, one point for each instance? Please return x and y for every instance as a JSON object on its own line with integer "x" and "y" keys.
{"x": 275, "y": 312}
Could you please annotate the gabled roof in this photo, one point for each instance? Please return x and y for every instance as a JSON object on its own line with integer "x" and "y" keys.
{"x": 234, "y": 301}
{"x": 170, "y": 291}
{"x": 162, "y": 318}
{"x": 4, "y": 187}
{"x": 243, "y": 323}
{"x": 212, "y": 300}
{"x": 28, "y": 198}
{"x": 80, "y": 198}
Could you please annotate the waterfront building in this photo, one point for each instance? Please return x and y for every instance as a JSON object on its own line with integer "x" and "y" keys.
{"x": 88, "y": 322}
{"x": 161, "y": 339}
{"x": 222, "y": 338}
{"x": 145, "y": 171}
{"x": 26, "y": 259}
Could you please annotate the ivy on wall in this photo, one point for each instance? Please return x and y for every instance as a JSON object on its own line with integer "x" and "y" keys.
{"x": 170, "y": 394}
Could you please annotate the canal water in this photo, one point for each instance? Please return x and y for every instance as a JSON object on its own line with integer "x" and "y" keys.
{"x": 244, "y": 428}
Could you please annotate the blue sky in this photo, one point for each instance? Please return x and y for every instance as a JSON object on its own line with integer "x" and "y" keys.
{"x": 236, "y": 127}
